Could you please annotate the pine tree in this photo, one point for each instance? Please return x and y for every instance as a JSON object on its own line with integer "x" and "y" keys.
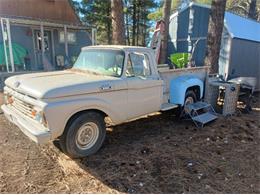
{"x": 137, "y": 23}
{"x": 216, "y": 23}
{"x": 118, "y": 24}
{"x": 97, "y": 13}
{"x": 165, "y": 33}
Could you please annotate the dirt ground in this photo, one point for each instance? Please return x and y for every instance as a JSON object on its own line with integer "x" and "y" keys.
{"x": 156, "y": 154}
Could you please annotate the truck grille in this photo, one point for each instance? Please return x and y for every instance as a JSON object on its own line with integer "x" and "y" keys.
{"x": 22, "y": 107}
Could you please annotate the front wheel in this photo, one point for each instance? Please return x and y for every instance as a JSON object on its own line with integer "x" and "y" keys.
{"x": 84, "y": 135}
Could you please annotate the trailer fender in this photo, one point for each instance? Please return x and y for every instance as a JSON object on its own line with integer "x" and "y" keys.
{"x": 179, "y": 86}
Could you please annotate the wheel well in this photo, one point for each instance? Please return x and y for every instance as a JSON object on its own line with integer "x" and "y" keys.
{"x": 196, "y": 90}
{"x": 74, "y": 116}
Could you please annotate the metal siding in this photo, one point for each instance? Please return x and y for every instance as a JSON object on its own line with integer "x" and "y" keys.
{"x": 199, "y": 52}
{"x": 172, "y": 47}
{"x": 178, "y": 29}
{"x": 182, "y": 46}
{"x": 200, "y": 29}
{"x": 224, "y": 56}
{"x": 244, "y": 59}
{"x": 201, "y": 20}
{"x": 182, "y": 25}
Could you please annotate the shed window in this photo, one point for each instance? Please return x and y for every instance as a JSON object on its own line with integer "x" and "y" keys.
{"x": 71, "y": 37}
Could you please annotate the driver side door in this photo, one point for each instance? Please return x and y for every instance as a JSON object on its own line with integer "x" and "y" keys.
{"x": 144, "y": 92}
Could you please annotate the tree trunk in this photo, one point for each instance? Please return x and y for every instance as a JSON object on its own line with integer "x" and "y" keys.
{"x": 165, "y": 33}
{"x": 109, "y": 39}
{"x": 127, "y": 28}
{"x": 138, "y": 22}
{"x": 216, "y": 23}
{"x": 134, "y": 23}
{"x": 252, "y": 13}
{"x": 118, "y": 26}
{"x": 144, "y": 31}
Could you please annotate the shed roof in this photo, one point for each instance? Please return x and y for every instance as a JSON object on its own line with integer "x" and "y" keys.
{"x": 238, "y": 26}
{"x": 61, "y": 11}
{"x": 242, "y": 28}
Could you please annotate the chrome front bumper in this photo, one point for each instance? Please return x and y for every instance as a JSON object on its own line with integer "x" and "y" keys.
{"x": 34, "y": 131}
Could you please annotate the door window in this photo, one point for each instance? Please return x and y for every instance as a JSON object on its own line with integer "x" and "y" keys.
{"x": 138, "y": 65}
{"x": 39, "y": 41}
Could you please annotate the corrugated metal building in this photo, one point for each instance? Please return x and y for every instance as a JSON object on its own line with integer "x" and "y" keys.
{"x": 240, "y": 48}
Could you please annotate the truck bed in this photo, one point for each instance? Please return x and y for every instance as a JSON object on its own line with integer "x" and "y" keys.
{"x": 168, "y": 74}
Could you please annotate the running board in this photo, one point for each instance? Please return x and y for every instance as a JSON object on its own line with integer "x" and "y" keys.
{"x": 168, "y": 106}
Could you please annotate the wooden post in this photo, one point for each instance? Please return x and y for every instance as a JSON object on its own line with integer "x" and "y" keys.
{"x": 93, "y": 36}
{"x": 42, "y": 43}
{"x": 34, "y": 48}
{"x": 53, "y": 49}
{"x": 10, "y": 44}
{"x": 66, "y": 41}
{"x": 4, "y": 40}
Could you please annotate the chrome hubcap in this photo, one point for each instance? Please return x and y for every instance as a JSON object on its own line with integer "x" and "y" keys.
{"x": 87, "y": 135}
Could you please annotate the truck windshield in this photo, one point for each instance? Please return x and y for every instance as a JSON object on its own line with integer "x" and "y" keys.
{"x": 101, "y": 61}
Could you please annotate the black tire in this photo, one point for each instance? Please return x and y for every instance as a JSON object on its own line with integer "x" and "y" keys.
{"x": 69, "y": 138}
{"x": 189, "y": 94}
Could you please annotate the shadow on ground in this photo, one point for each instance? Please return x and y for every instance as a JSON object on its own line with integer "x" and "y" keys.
{"x": 156, "y": 154}
{"x": 160, "y": 154}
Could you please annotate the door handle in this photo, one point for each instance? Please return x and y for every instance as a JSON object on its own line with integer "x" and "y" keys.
{"x": 105, "y": 87}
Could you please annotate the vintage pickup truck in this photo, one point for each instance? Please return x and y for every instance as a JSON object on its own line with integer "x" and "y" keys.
{"x": 118, "y": 82}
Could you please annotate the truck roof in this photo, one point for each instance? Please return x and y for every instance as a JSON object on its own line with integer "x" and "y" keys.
{"x": 124, "y": 47}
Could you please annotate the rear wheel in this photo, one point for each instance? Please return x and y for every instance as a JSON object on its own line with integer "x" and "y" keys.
{"x": 84, "y": 135}
{"x": 190, "y": 98}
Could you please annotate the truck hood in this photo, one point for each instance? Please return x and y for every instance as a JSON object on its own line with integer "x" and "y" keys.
{"x": 59, "y": 83}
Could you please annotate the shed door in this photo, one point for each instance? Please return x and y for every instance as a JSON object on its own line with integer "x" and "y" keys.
{"x": 43, "y": 64}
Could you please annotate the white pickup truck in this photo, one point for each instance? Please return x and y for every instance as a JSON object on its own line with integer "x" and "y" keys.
{"x": 119, "y": 82}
